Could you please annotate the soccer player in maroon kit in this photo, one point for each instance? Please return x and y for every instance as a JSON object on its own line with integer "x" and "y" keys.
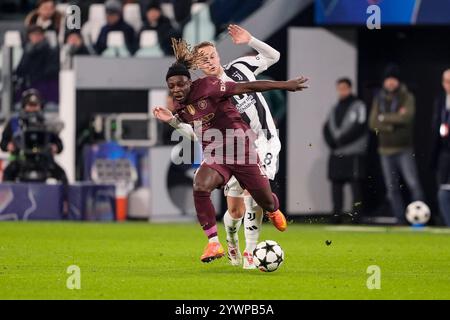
{"x": 206, "y": 102}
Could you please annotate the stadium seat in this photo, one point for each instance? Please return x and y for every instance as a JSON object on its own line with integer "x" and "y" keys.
{"x": 198, "y": 7}
{"x": 149, "y": 46}
{"x": 96, "y": 20}
{"x": 132, "y": 15}
{"x": 200, "y": 28}
{"x": 62, "y": 7}
{"x": 13, "y": 40}
{"x": 52, "y": 38}
{"x": 167, "y": 10}
{"x": 97, "y": 13}
{"x": 116, "y": 45}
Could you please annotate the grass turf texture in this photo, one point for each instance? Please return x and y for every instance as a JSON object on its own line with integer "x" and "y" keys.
{"x": 158, "y": 261}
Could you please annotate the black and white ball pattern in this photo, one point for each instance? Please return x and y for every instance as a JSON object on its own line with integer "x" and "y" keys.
{"x": 268, "y": 256}
{"x": 418, "y": 213}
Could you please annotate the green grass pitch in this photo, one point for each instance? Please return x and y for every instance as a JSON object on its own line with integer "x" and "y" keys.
{"x": 160, "y": 261}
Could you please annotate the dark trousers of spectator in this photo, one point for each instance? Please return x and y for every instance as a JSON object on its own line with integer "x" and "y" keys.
{"x": 338, "y": 200}
{"x": 443, "y": 178}
{"x": 444, "y": 205}
{"x": 12, "y": 172}
{"x": 395, "y": 167}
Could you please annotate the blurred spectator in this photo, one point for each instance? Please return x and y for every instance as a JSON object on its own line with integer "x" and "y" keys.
{"x": 346, "y": 134}
{"x": 15, "y": 142}
{"x": 84, "y": 7}
{"x": 75, "y": 43}
{"x": 155, "y": 20}
{"x": 392, "y": 118}
{"x": 115, "y": 22}
{"x": 45, "y": 16}
{"x": 39, "y": 66}
{"x": 31, "y": 102}
{"x": 181, "y": 9}
{"x": 441, "y": 147}
{"x": 73, "y": 46}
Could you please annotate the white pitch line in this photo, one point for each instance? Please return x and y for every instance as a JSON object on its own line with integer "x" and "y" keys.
{"x": 388, "y": 229}
{"x": 356, "y": 228}
{"x": 440, "y": 230}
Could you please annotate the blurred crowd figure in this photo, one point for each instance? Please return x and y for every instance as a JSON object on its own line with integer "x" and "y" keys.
{"x": 181, "y": 9}
{"x": 392, "y": 119}
{"x": 75, "y": 44}
{"x": 441, "y": 147}
{"x": 49, "y": 45}
{"x": 157, "y": 21}
{"x": 39, "y": 66}
{"x": 346, "y": 134}
{"x": 46, "y": 16}
{"x": 115, "y": 22}
{"x": 222, "y": 13}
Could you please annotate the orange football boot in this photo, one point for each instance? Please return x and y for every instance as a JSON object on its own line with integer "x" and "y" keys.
{"x": 278, "y": 220}
{"x": 213, "y": 251}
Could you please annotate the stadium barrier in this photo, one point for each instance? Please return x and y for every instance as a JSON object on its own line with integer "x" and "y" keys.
{"x": 30, "y": 201}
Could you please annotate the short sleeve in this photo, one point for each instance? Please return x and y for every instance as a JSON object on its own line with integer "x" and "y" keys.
{"x": 256, "y": 64}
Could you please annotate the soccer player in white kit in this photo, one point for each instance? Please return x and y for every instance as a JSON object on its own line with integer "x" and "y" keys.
{"x": 255, "y": 111}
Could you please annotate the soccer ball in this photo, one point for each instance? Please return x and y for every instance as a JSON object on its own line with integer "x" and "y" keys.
{"x": 418, "y": 213}
{"x": 268, "y": 256}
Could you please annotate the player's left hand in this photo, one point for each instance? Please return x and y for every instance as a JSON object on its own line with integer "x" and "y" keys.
{"x": 297, "y": 84}
{"x": 239, "y": 35}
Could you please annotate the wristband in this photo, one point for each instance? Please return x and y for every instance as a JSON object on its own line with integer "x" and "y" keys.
{"x": 174, "y": 122}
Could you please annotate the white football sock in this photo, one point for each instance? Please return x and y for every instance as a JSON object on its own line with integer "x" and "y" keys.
{"x": 213, "y": 239}
{"x": 252, "y": 223}
{"x": 232, "y": 227}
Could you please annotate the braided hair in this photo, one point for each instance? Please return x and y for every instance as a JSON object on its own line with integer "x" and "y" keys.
{"x": 186, "y": 59}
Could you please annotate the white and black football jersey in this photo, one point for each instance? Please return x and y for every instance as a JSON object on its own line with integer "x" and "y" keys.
{"x": 252, "y": 106}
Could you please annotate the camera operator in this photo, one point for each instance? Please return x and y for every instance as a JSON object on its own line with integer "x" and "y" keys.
{"x": 32, "y": 145}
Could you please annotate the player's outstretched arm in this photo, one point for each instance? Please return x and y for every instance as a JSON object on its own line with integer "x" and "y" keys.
{"x": 240, "y": 35}
{"x": 297, "y": 84}
{"x": 165, "y": 115}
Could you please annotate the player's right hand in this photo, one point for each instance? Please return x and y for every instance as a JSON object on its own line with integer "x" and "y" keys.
{"x": 238, "y": 34}
{"x": 162, "y": 114}
{"x": 297, "y": 84}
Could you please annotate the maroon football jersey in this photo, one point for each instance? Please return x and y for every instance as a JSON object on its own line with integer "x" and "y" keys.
{"x": 208, "y": 104}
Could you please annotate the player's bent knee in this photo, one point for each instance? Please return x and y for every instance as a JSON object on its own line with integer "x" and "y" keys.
{"x": 235, "y": 212}
{"x": 202, "y": 187}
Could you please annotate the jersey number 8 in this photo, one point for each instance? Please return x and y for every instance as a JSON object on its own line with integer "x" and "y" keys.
{"x": 268, "y": 159}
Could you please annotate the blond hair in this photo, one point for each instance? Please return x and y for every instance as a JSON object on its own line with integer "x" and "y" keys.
{"x": 203, "y": 44}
